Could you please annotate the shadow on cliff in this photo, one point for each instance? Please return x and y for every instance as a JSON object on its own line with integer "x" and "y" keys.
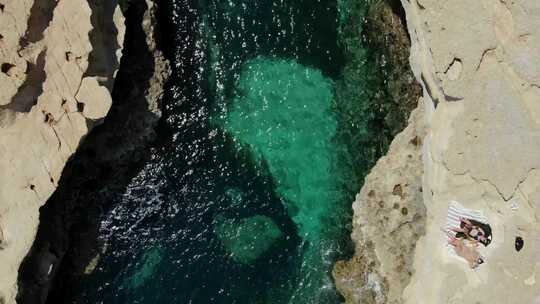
{"x": 102, "y": 167}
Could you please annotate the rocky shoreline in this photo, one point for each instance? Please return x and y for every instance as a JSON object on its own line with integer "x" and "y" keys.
{"x": 133, "y": 70}
{"x": 55, "y": 87}
{"x": 66, "y": 244}
{"x": 470, "y": 144}
{"x": 473, "y": 138}
{"x": 389, "y": 207}
{"x": 102, "y": 166}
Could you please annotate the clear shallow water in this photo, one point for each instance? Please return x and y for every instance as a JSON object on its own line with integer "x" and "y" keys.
{"x": 247, "y": 198}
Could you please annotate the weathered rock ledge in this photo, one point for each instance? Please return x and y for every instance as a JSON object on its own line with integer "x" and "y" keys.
{"x": 477, "y": 137}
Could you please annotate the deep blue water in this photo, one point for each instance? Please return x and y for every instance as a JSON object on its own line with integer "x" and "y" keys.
{"x": 247, "y": 197}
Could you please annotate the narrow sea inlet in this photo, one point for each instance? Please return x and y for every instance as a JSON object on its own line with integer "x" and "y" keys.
{"x": 263, "y": 145}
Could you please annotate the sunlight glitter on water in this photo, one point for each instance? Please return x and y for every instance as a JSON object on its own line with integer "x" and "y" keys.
{"x": 247, "y": 197}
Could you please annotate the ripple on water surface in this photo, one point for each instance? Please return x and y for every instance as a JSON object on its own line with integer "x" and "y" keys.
{"x": 247, "y": 197}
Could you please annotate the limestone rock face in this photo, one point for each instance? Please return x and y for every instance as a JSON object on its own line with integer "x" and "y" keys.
{"x": 102, "y": 167}
{"x": 54, "y": 87}
{"x": 478, "y": 64}
{"x": 388, "y": 216}
{"x": 481, "y": 69}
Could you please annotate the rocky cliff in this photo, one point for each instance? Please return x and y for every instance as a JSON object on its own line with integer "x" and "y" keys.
{"x": 101, "y": 168}
{"x": 62, "y": 75}
{"x": 58, "y": 62}
{"x": 474, "y": 139}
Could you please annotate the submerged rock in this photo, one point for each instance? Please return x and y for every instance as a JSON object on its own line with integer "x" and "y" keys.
{"x": 235, "y": 197}
{"x": 248, "y": 238}
{"x": 386, "y": 32}
{"x": 388, "y": 212}
{"x": 146, "y": 268}
{"x": 92, "y": 265}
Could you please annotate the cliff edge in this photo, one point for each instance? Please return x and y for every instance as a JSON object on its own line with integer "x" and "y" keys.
{"x": 477, "y": 130}
{"x": 104, "y": 164}
{"x": 58, "y": 61}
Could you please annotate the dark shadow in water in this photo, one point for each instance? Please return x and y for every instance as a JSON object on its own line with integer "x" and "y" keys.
{"x": 194, "y": 266}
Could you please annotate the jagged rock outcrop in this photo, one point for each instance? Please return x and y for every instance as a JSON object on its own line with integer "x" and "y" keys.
{"x": 479, "y": 67}
{"x": 55, "y": 85}
{"x": 389, "y": 211}
{"x": 386, "y": 34}
{"x": 388, "y": 214}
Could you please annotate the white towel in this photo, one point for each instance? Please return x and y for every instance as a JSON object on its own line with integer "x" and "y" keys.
{"x": 457, "y": 211}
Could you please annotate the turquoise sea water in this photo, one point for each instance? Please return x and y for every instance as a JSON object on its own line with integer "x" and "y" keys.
{"x": 263, "y": 146}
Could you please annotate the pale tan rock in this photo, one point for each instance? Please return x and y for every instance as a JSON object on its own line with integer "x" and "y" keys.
{"x": 92, "y": 265}
{"x": 44, "y": 52}
{"x": 482, "y": 144}
{"x": 389, "y": 216}
{"x": 95, "y": 96}
{"x": 478, "y": 63}
{"x": 3, "y": 238}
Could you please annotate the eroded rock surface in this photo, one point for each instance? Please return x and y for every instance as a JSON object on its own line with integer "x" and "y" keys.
{"x": 478, "y": 65}
{"x": 385, "y": 33}
{"x": 388, "y": 216}
{"x": 48, "y": 103}
{"x": 102, "y": 166}
{"x": 389, "y": 211}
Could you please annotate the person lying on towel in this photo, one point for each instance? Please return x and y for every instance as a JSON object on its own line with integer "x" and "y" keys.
{"x": 474, "y": 231}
